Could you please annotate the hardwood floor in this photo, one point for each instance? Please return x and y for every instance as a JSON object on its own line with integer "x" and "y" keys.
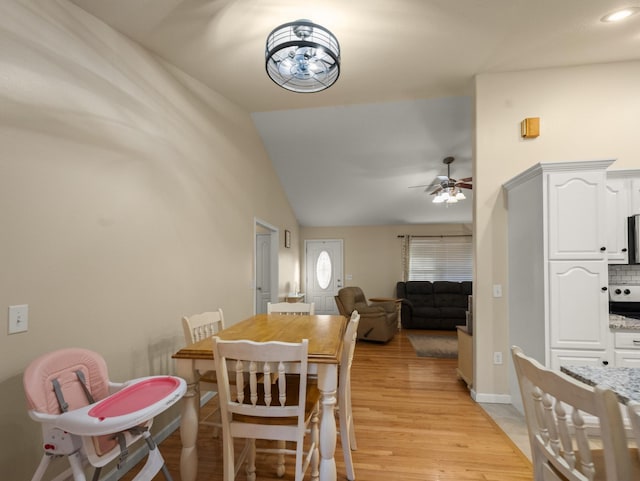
{"x": 414, "y": 421}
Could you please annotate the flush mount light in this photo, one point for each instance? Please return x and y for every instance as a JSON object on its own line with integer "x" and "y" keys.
{"x": 302, "y": 56}
{"x": 620, "y": 14}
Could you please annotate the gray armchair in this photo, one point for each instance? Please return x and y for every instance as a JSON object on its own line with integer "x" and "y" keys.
{"x": 378, "y": 321}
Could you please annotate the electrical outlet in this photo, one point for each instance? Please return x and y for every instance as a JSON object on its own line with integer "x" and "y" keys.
{"x": 497, "y": 357}
{"x": 18, "y": 318}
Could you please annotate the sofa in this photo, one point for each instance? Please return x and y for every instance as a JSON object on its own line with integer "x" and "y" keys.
{"x": 433, "y": 305}
{"x": 378, "y": 321}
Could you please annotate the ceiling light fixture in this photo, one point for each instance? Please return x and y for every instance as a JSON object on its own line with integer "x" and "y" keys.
{"x": 302, "y": 57}
{"x": 620, "y": 14}
{"x": 449, "y": 195}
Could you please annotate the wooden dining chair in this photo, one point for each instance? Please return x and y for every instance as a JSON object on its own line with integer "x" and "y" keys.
{"x": 291, "y": 308}
{"x": 279, "y": 402}
{"x": 345, "y": 415}
{"x": 563, "y": 447}
{"x": 633, "y": 408}
{"x": 195, "y": 328}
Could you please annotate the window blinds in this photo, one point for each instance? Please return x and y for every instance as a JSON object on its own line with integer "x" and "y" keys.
{"x": 438, "y": 258}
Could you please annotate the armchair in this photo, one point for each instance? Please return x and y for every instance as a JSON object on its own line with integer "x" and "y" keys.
{"x": 378, "y": 321}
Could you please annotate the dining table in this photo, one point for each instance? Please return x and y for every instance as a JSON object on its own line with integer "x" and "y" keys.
{"x": 624, "y": 381}
{"x": 325, "y": 334}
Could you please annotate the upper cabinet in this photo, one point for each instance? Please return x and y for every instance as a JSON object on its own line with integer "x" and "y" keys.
{"x": 576, "y": 214}
{"x": 623, "y": 200}
{"x": 618, "y": 205}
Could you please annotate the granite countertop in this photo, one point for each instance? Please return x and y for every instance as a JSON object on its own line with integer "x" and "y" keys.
{"x": 621, "y": 322}
{"x": 625, "y": 381}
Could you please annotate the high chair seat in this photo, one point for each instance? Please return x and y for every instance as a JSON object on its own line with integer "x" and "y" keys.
{"x": 86, "y": 417}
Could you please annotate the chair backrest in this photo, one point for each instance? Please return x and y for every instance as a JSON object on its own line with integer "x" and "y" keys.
{"x": 271, "y": 391}
{"x": 203, "y": 325}
{"x": 554, "y": 406}
{"x": 62, "y": 367}
{"x": 351, "y": 298}
{"x": 290, "y": 308}
{"x": 348, "y": 348}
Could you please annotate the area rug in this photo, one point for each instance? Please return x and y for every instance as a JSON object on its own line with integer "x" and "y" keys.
{"x": 426, "y": 345}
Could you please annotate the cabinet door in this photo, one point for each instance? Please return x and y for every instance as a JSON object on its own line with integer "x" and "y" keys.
{"x": 617, "y": 195}
{"x": 577, "y": 358}
{"x": 635, "y": 196}
{"x": 576, "y": 215}
{"x": 578, "y": 305}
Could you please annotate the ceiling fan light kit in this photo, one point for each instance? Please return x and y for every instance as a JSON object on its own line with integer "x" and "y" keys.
{"x": 449, "y": 191}
{"x": 302, "y": 56}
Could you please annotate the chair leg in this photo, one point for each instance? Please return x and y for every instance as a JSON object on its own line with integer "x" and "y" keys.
{"x": 42, "y": 467}
{"x": 315, "y": 440}
{"x": 75, "y": 460}
{"x": 280, "y": 468}
{"x": 251, "y": 461}
{"x": 346, "y": 428}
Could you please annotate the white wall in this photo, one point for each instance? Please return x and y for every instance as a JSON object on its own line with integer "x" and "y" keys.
{"x": 373, "y": 254}
{"x": 588, "y": 112}
{"x": 128, "y": 194}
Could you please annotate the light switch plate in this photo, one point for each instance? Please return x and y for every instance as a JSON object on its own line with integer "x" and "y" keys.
{"x": 497, "y": 290}
{"x": 18, "y": 318}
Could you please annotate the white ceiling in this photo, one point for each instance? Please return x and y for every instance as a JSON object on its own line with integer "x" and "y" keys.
{"x": 403, "y": 102}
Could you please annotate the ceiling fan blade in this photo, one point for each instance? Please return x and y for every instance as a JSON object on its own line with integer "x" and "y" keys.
{"x": 467, "y": 179}
{"x": 423, "y": 185}
{"x": 436, "y": 190}
{"x": 464, "y": 185}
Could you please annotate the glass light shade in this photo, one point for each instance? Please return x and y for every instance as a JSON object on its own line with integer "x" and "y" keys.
{"x": 438, "y": 199}
{"x": 302, "y": 56}
{"x": 460, "y": 195}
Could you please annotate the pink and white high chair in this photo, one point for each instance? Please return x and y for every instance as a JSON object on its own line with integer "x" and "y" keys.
{"x": 84, "y": 416}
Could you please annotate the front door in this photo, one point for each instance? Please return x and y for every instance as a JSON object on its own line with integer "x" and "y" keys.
{"x": 323, "y": 265}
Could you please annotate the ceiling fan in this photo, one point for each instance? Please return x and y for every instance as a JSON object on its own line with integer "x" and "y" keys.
{"x": 448, "y": 189}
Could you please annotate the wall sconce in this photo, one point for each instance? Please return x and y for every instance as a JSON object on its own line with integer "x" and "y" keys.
{"x": 530, "y": 127}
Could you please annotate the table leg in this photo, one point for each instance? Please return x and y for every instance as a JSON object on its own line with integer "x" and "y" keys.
{"x": 328, "y": 384}
{"x": 189, "y": 421}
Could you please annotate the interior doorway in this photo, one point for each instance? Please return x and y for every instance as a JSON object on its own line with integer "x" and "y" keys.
{"x": 265, "y": 266}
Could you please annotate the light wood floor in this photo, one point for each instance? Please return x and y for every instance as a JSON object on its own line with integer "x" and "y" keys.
{"x": 415, "y": 421}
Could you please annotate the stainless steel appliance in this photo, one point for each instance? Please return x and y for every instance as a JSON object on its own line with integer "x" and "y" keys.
{"x": 634, "y": 239}
{"x": 624, "y": 300}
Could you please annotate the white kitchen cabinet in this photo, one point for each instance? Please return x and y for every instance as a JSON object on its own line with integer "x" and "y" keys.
{"x": 635, "y": 195}
{"x": 578, "y": 305}
{"x": 618, "y": 195}
{"x": 571, "y": 232}
{"x": 576, "y": 357}
{"x": 558, "y": 272}
{"x": 627, "y": 348}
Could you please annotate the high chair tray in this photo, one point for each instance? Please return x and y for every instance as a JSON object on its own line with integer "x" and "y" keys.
{"x": 139, "y": 401}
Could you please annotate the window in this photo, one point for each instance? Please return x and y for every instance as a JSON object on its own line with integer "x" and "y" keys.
{"x": 438, "y": 258}
{"x": 323, "y": 270}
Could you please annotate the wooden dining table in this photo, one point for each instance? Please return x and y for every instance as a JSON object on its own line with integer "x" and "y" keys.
{"x": 325, "y": 334}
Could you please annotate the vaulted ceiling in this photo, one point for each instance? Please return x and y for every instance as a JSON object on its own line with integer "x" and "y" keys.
{"x": 404, "y": 99}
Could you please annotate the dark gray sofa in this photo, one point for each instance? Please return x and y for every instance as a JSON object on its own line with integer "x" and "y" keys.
{"x": 433, "y": 305}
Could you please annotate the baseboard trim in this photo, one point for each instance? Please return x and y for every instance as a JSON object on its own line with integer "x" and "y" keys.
{"x": 491, "y": 398}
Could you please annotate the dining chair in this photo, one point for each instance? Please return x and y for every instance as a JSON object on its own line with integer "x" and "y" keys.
{"x": 291, "y": 308}
{"x": 278, "y": 402}
{"x": 345, "y": 415}
{"x": 633, "y": 408}
{"x": 564, "y": 446}
{"x": 197, "y": 327}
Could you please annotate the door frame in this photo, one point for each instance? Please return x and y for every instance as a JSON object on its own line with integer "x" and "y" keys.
{"x": 306, "y": 267}
{"x": 274, "y": 275}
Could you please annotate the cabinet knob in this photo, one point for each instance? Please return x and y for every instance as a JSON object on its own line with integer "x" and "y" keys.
{"x": 605, "y": 363}
{"x": 624, "y": 249}
{"x": 604, "y": 288}
{"x": 603, "y": 249}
